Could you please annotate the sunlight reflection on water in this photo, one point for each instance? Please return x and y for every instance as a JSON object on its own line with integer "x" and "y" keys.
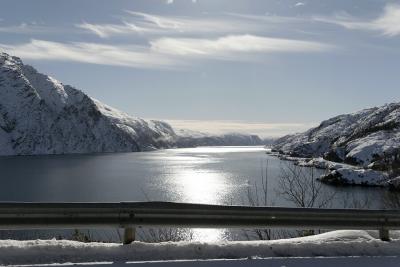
{"x": 221, "y": 149}
{"x": 200, "y": 186}
{"x": 193, "y": 182}
{"x": 208, "y": 235}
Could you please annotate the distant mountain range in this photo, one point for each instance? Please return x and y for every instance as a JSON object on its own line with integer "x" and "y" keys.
{"x": 193, "y": 139}
{"x": 40, "y": 115}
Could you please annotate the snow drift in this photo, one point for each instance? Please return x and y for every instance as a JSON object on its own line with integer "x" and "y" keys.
{"x": 336, "y": 243}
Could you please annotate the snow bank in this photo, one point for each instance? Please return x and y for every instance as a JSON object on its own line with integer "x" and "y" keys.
{"x": 356, "y": 176}
{"x": 321, "y": 163}
{"x": 336, "y": 243}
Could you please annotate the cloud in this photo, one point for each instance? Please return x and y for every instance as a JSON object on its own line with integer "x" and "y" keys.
{"x": 161, "y": 53}
{"x": 232, "y": 45}
{"x": 224, "y": 126}
{"x": 129, "y": 56}
{"x": 168, "y": 2}
{"x": 144, "y": 23}
{"x": 267, "y": 18}
{"x": 388, "y": 23}
{"x": 26, "y": 28}
{"x": 161, "y": 22}
{"x": 299, "y": 4}
{"x": 106, "y": 30}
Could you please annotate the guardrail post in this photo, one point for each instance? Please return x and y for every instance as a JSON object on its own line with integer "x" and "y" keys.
{"x": 129, "y": 235}
{"x": 384, "y": 234}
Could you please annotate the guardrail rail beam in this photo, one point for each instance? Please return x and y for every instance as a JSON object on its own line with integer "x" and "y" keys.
{"x": 128, "y": 215}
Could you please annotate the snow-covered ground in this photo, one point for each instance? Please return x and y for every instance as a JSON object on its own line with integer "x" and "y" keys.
{"x": 343, "y": 243}
{"x": 386, "y": 261}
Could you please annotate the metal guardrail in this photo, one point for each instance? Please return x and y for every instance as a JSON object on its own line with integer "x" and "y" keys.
{"x": 128, "y": 215}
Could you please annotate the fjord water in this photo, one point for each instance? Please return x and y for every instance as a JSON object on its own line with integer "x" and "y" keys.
{"x": 214, "y": 175}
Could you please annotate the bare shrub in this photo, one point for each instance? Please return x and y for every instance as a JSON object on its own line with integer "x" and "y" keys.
{"x": 391, "y": 200}
{"x": 351, "y": 201}
{"x": 257, "y": 195}
{"x": 299, "y": 186}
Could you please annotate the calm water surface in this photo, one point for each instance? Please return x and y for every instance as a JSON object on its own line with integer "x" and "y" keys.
{"x": 215, "y": 175}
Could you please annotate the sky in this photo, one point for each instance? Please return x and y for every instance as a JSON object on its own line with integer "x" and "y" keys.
{"x": 265, "y": 67}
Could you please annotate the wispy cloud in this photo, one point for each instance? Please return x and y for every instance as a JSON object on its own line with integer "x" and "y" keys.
{"x": 161, "y": 53}
{"x": 268, "y": 19}
{"x": 388, "y": 23}
{"x": 106, "y": 30}
{"x": 129, "y": 56}
{"x": 232, "y": 45}
{"x": 224, "y": 126}
{"x": 169, "y": 2}
{"x": 144, "y": 23}
{"x": 298, "y": 4}
{"x": 26, "y": 28}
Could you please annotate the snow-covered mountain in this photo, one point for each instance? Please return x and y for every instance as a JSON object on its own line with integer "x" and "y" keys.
{"x": 369, "y": 138}
{"x": 40, "y": 115}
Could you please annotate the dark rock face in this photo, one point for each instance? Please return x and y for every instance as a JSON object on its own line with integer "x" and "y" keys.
{"x": 334, "y": 178}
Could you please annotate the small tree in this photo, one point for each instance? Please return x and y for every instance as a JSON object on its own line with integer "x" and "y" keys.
{"x": 257, "y": 195}
{"x": 299, "y": 186}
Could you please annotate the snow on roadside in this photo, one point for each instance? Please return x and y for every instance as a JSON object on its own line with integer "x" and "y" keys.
{"x": 335, "y": 243}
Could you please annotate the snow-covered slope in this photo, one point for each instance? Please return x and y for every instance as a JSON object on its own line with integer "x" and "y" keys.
{"x": 368, "y": 139}
{"x": 365, "y": 137}
{"x": 39, "y": 115}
